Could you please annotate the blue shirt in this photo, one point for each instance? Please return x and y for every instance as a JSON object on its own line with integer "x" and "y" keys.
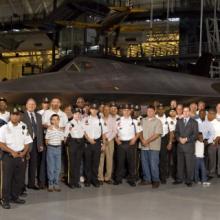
{"x": 207, "y": 130}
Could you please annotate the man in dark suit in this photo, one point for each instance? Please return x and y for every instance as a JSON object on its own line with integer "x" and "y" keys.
{"x": 186, "y": 134}
{"x": 37, "y": 166}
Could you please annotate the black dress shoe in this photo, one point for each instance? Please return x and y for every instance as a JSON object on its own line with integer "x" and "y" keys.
{"x": 101, "y": 182}
{"x": 5, "y": 205}
{"x": 97, "y": 184}
{"x": 210, "y": 178}
{"x": 189, "y": 184}
{"x": 108, "y": 181}
{"x": 33, "y": 187}
{"x": 177, "y": 182}
{"x": 42, "y": 186}
{"x": 87, "y": 184}
{"x": 163, "y": 182}
{"x": 132, "y": 184}
{"x": 77, "y": 185}
{"x": 117, "y": 183}
{"x": 24, "y": 194}
{"x": 18, "y": 201}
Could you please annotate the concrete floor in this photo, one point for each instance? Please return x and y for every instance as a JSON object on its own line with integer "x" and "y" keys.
{"x": 121, "y": 202}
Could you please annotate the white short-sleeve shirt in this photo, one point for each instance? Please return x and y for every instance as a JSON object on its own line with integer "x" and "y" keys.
{"x": 94, "y": 127}
{"x": 15, "y": 137}
{"x": 127, "y": 128}
{"x": 75, "y": 129}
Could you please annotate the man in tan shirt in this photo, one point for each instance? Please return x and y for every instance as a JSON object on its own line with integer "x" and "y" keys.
{"x": 151, "y": 142}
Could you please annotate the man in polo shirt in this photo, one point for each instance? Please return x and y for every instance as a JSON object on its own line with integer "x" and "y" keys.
{"x": 151, "y": 141}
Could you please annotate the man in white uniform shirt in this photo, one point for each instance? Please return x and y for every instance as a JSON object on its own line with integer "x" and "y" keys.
{"x": 74, "y": 133}
{"x": 14, "y": 142}
{"x": 95, "y": 134}
{"x": 128, "y": 132}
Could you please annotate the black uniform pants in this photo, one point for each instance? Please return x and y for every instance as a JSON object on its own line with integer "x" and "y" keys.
{"x": 164, "y": 158}
{"x": 185, "y": 166}
{"x": 173, "y": 160}
{"x": 12, "y": 177}
{"x": 126, "y": 154}
{"x": 92, "y": 158}
{"x": 75, "y": 153}
{"x": 37, "y": 166}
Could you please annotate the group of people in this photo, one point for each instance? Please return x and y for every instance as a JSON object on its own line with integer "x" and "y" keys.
{"x": 90, "y": 144}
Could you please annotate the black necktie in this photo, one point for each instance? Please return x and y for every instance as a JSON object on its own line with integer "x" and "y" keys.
{"x": 34, "y": 125}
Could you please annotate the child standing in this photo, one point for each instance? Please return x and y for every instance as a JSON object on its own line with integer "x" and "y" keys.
{"x": 200, "y": 170}
{"x": 54, "y": 137}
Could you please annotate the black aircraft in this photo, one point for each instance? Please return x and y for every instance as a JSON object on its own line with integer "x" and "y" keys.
{"x": 104, "y": 79}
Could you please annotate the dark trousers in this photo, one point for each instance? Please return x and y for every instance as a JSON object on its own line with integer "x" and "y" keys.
{"x": 172, "y": 161}
{"x": 164, "y": 159}
{"x": 200, "y": 170}
{"x": 12, "y": 177}
{"x": 37, "y": 166}
{"x": 75, "y": 153}
{"x": 92, "y": 158}
{"x": 185, "y": 166}
{"x": 126, "y": 153}
{"x": 213, "y": 160}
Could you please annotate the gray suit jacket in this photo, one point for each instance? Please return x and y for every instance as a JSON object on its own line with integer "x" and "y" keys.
{"x": 190, "y": 131}
{"x": 26, "y": 119}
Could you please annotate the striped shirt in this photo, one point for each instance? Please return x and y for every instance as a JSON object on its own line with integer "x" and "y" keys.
{"x": 54, "y": 136}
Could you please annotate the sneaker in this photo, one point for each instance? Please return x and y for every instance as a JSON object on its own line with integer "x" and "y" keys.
{"x": 82, "y": 179}
{"x": 206, "y": 184}
{"x": 50, "y": 188}
{"x": 199, "y": 183}
{"x": 57, "y": 188}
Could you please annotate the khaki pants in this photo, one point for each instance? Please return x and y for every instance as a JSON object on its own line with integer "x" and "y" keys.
{"x": 108, "y": 155}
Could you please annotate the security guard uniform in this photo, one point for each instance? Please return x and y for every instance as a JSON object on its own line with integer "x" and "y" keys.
{"x": 16, "y": 138}
{"x": 74, "y": 131}
{"x": 94, "y": 129}
{"x": 127, "y": 129}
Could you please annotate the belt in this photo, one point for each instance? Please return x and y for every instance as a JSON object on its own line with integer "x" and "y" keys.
{"x": 55, "y": 146}
{"x": 96, "y": 140}
{"x": 125, "y": 141}
{"x": 9, "y": 154}
{"x": 77, "y": 139}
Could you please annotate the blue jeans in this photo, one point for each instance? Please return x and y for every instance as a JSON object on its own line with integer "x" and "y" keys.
{"x": 200, "y": 170}
{"x": 150, "y": 165}
{"x": 53, "y": 164}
